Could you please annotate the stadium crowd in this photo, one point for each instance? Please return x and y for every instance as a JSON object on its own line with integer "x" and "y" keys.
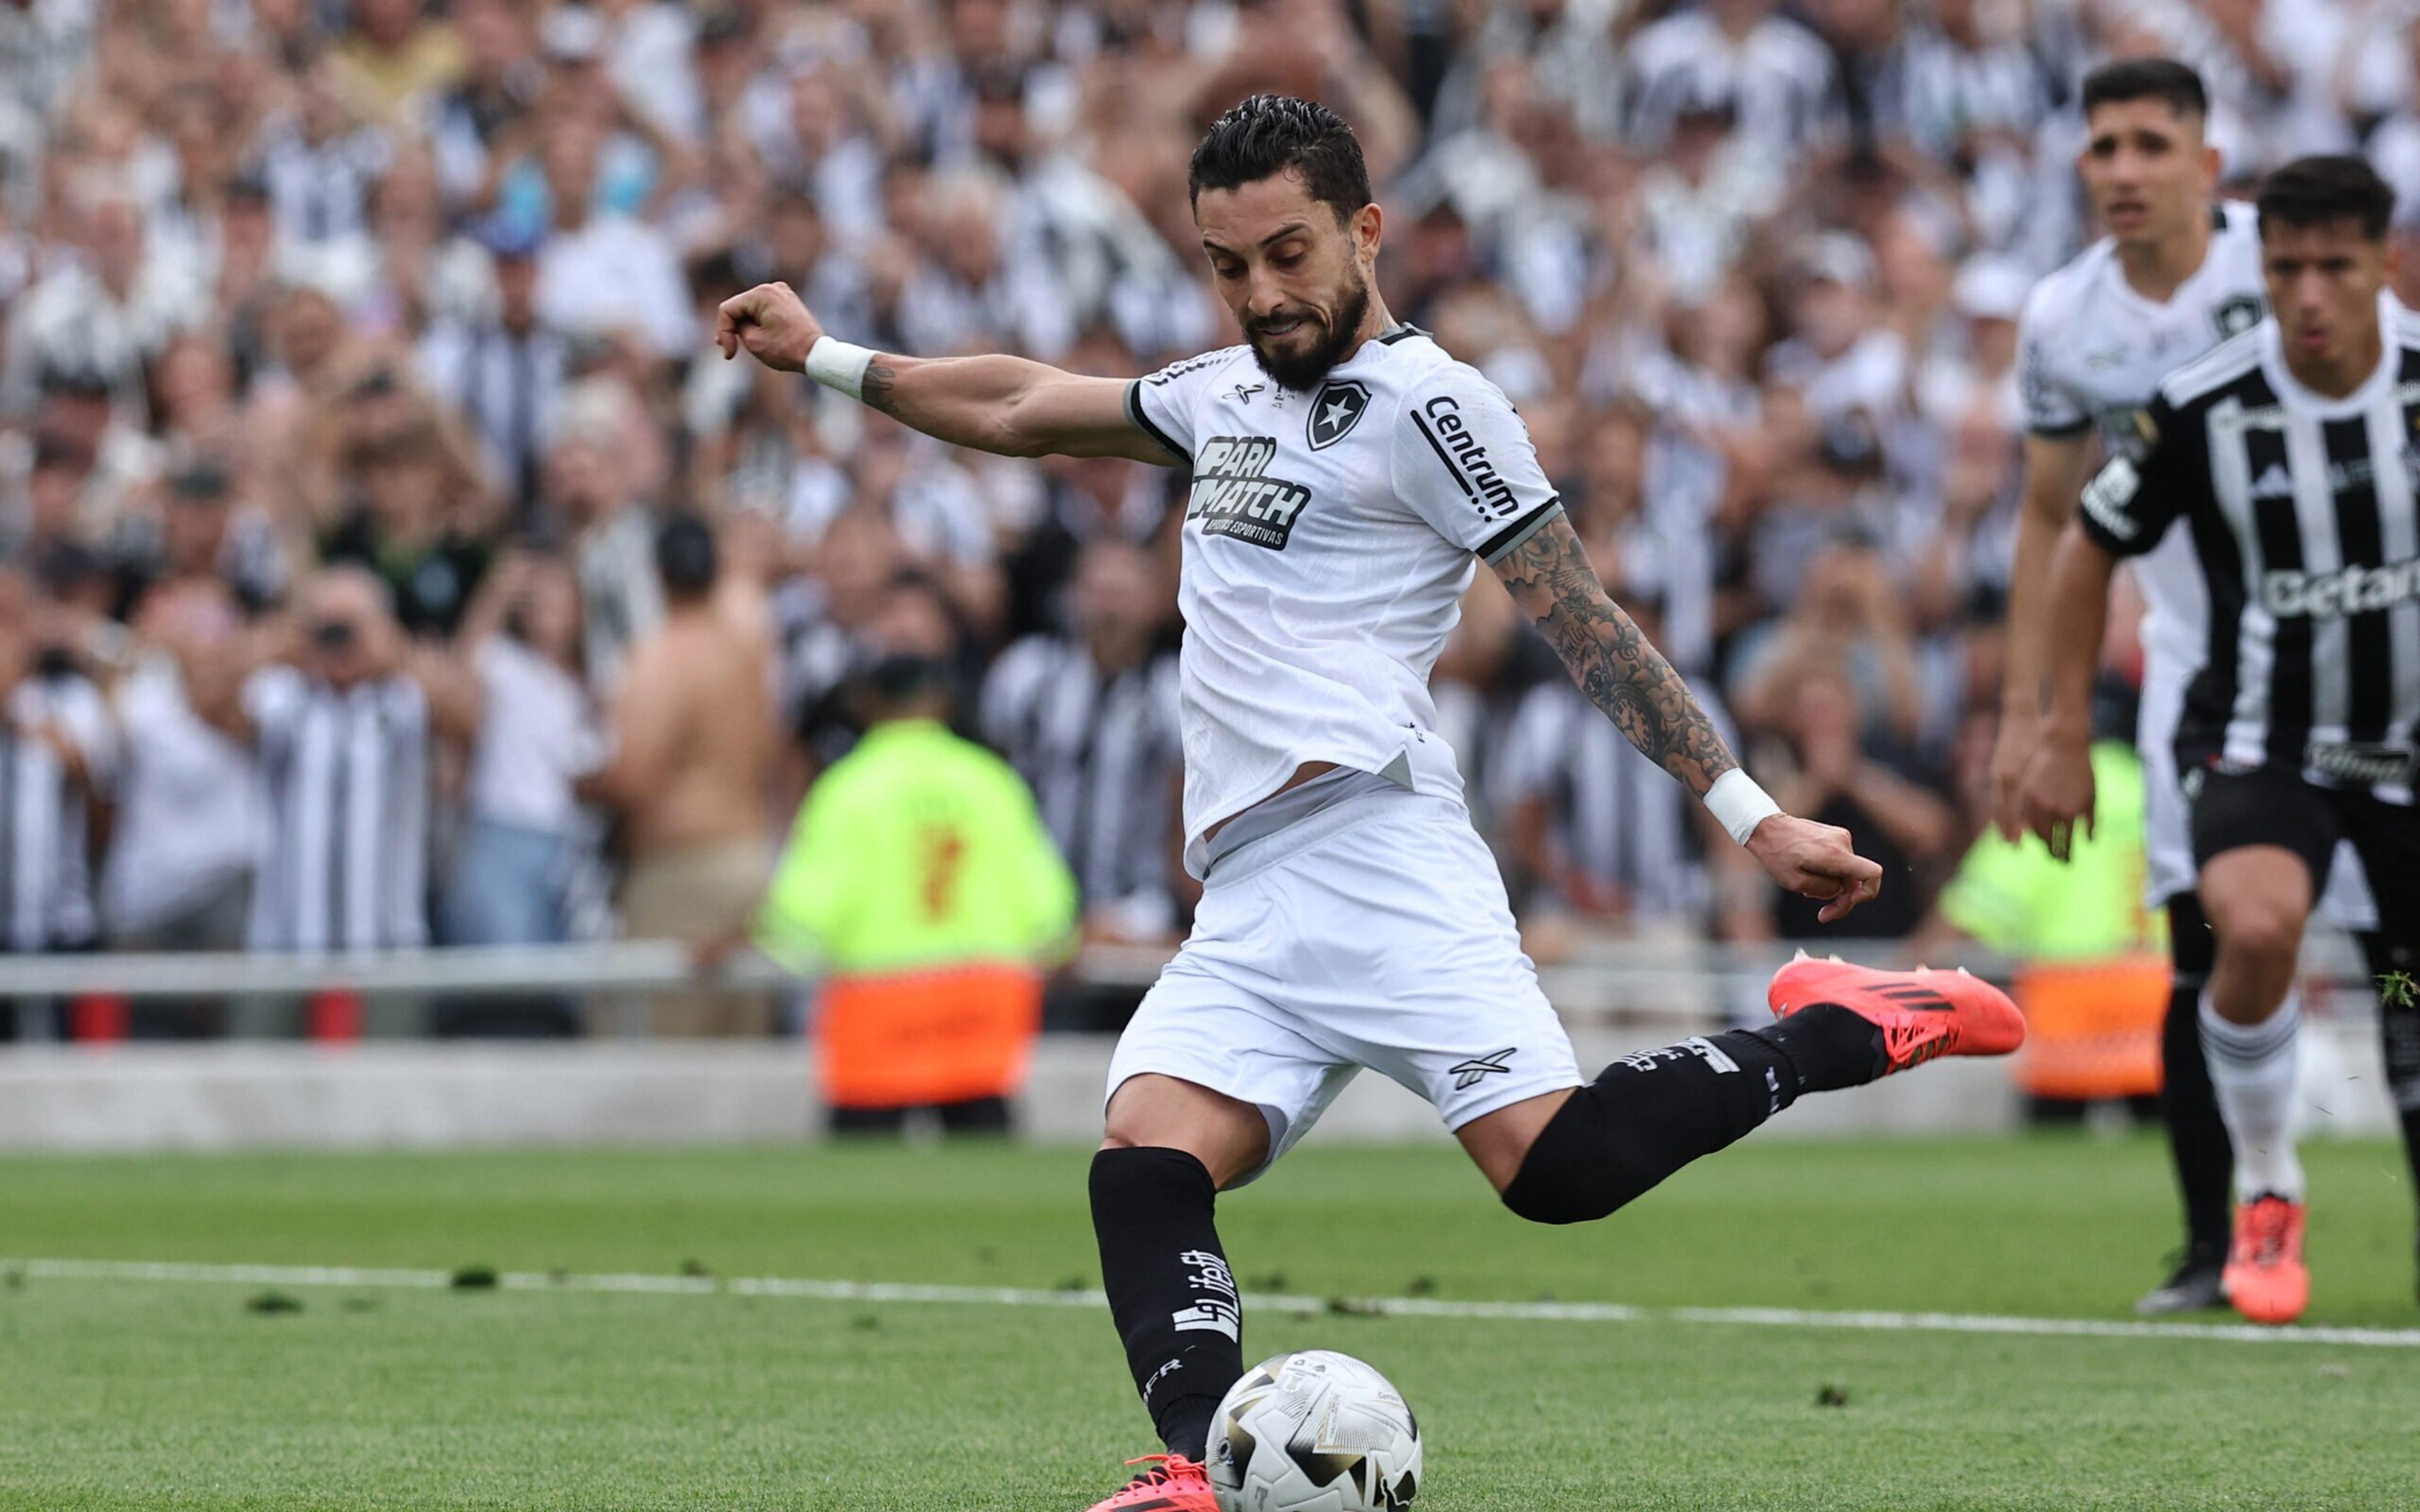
{"x": 390, "y": 557}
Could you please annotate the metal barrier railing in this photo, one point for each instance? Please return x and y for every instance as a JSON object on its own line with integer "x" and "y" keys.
{"x": 1686, "y": 982}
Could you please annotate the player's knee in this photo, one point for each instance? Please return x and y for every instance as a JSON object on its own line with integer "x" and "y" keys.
{"x": 1229, "y": 1138}
{"x": 2261, "y": 936}
{"x": 1577, "y": 1170}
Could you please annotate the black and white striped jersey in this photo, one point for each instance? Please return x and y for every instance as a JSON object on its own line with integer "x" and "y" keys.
{"x": 2301, "y": 514}
{"x": 1102, "y": 753}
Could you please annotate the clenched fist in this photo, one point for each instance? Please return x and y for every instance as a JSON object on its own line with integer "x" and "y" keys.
{"x": 1815, "y": 861}
{"x": 772, "y": 323}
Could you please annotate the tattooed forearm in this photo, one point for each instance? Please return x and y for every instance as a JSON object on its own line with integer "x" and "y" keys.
{"x": 1610, "y": 658}
{"x": 879, "y": 388}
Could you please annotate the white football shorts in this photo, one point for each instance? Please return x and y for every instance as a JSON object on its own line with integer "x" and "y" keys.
{"x": 2167, "y": 818}
{"x": 1375, "y": 933}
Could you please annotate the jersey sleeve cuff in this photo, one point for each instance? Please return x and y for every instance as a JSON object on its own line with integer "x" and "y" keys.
{"x": 2106, "y": 539}
{"x": 1508, "y": 540}
{"x": 1144, "y": 422}
{"x": 2058, "y": 430}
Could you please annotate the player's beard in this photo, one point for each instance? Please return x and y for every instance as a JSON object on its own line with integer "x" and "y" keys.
{"x": 1303, "y": 373}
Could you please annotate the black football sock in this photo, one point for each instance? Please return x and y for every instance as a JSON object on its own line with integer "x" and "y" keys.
{"x": 1171, "y": 1294}
{"x": 1651, "y": 1114}
{"x": 2399, "y": 1032}
{"x": 2197, "y": 1137}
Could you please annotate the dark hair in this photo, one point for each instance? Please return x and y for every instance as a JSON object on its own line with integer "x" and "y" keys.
{"x": 2324, "y": 190}
{"x": 1267, "y": 134}
{"x": 2147, "y": 78}
{"x": 902, "y": 678}
{"x": 53, "y": 450}
{"x": 686, "y": 558}
{"x": 205, "y": 481}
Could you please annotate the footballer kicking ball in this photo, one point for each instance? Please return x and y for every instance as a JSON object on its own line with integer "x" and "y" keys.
{"x": 1314, "y": 1431}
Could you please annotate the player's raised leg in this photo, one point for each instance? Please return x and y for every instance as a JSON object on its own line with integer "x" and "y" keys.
{"x": 1171, "y": 1145}
{"x": 1572, "y": 1157}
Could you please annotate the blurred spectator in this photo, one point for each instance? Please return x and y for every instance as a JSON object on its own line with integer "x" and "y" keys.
{"x": 411, "y": 524}
{"x": 1778, "y": 74}
{"x": 106, "y": 306}
{"x": 611, "y": 538}
{"x": 179, "y": 877}
{"x": 503, "y": 373}
{"x": 691, "y": 769}
{"x": 1849, "y": 622}
{"x": 604, "y": 272}
{"x": 343, "y": 728}
{"x": 45, "y": 514}
{"x": 198, "y": 533}
{"x": 1089, "y": 721}
{"x": 319, "y": 159}
{"x": 492, "y": 94}
{"x": 395, "y": 60}
{"x": 1898, "y": 824}
{"x": 827, "y": 628}
{"x": 58, "y": 762}
{"x": 526, "y": 848}
{"x": 1599, "y": 833}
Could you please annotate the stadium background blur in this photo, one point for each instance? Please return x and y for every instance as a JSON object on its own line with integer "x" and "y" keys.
{"x": 426, "y": 288}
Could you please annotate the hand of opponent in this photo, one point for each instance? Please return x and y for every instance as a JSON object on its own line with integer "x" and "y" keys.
{"x": 772, "y": 323}
{"x": 2011, "y": 755}
{"x": 2059, "y": 792}
{"x": 1815, "y": 861}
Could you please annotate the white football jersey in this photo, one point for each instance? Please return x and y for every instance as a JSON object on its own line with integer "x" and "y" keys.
{"x": 2091, "y": 353}
{"x": 1329, "y": 537}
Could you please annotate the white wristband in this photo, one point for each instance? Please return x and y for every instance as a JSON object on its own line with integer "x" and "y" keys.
{"x": 838, "y": 364}
{"x": 1739, "y": 804}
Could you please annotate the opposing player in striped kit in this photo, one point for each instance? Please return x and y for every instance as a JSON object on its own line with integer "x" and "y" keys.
{"x": 2286, "y": 456}
{"x": 2177, "y": 274}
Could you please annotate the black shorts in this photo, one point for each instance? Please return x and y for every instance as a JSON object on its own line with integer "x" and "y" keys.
{"x": 2268, "y": 807}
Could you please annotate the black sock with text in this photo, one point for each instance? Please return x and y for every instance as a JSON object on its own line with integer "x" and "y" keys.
{"x": 1171, "y": 1294}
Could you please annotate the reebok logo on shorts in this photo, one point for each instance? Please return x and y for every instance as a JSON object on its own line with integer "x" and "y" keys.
{"x": 1478, "y": 1068}
{"x": 1230, "y": 496}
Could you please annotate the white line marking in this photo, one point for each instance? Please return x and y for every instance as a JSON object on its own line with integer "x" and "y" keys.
{"x": 886, "y": 1292}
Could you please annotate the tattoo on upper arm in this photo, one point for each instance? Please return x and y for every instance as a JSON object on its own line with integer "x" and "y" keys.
{"x": 878, "y": 387}
{"x": 1610, "y": 658}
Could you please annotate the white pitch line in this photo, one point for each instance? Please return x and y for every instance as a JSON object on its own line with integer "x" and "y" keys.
{"x": 886, "y": 1292}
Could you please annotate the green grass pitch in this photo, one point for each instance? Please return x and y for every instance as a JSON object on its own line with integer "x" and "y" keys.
{"x": 182, "y": 1396}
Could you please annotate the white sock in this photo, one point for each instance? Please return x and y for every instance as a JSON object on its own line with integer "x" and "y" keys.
{"x": 2252, "y": 1069}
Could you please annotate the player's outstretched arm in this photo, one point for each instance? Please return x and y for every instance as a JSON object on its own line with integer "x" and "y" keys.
{"x": 2058, "y": 780}
{"x": 2054, "y": 475}
{"x": 1549, "y": 577}
{"x": 1005, "y": 405}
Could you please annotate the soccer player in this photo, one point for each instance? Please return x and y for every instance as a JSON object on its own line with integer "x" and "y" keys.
{"x": 1345, "y": 472}
{"x": 2177, "y": 274}
{"x": 2288, "y": 453}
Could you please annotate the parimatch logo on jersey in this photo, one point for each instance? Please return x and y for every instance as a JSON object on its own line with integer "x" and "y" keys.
{"x": 1232, "y": 496}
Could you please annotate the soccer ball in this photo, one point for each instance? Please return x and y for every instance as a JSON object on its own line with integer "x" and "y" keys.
{"x": 1314, "y": 1431}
